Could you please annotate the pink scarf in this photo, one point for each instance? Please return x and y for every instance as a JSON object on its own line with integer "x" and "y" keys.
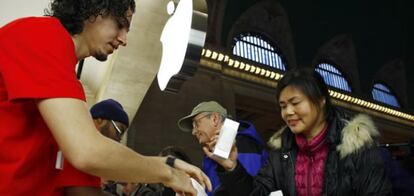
{"x": 310, "y": 164}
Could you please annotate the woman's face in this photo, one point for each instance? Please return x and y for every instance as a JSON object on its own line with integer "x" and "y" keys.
{"x": 299, "y": 113}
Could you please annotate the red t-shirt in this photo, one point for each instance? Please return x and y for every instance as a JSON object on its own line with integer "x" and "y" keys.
{"x": 70, "y": 176}
{"x": 37, "y": 60}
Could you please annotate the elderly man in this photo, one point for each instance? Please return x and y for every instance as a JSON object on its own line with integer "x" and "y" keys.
{"x": 205, "y": 122}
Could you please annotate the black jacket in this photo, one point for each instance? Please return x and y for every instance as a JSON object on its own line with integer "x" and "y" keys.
{"x": 153, "y": 190}
{"x": 252, "y": 155}
{"x": 353, "y": 167}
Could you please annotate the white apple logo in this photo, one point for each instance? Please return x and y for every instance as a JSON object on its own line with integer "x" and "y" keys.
{"x": 182, "y": 40}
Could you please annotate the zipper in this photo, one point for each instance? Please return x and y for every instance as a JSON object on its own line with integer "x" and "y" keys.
{"x": 309, "y": 179}
{"x": 291, "y": 173}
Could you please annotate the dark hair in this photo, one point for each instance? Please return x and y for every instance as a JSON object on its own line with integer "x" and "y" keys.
{"x": 175, "y": 152}
{"x": 310, "y": 83}
{"x": 73, "y": 13}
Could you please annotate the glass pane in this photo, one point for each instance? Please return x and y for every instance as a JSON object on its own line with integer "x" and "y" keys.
{"x": 256, "y": 49}
{"x": 333, "y": 77}
{"x": 383, "y": 94}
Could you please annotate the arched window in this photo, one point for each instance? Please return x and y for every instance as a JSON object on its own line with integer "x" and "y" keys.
{"x": 333, "y": 77}
{"x": 255, "y": 48}
{"x": 383, "y": 94}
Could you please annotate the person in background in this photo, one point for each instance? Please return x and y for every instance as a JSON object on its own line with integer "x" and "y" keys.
{"x": 321, "y": 151}
{"x": 130, "y": 189}
{"x": 401, "y": 179}
{"x": 43, "y": 108}
{"x": 112, "y": 121}
{"x": 205, "y": 122}
{"x": 158, "y": 189}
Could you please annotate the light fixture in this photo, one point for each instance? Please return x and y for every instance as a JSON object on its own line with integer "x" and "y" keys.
{"x": 242, "y": 65}
{"x": 182, "y": 41}
{"x": 236, "y": 64}
{"x": 226, "y": 58}
{"x": 252, "y": 69}
{"x": 341, "y": 96}
{"x": 214, "y": 56}
{"x": 231, "y": 62}
{"x": 267, "y": 73}
{"x": 278, "y": 76}
{"x": 220, "y": 57}
{"x": 247, "y": 67}
{"x": 208, "y": 53}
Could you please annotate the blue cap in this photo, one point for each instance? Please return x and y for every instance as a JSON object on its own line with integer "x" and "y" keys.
{"x": 111, "y": 110}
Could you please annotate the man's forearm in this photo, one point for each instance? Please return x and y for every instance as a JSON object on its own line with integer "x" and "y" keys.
{"x": 116, "y": 162}
{"x": 93, "y": 153}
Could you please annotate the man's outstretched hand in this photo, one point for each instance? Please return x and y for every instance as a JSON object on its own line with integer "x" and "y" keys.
{"x": 194, "y": 172}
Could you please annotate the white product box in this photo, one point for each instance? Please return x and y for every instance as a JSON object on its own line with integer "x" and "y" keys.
{"x": 198, "y": 187}
{"x": 226, "y": 139}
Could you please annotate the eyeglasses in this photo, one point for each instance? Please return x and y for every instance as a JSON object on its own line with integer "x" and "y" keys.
{"x": 195, "y": 121}
{"x": 118, "y": 130}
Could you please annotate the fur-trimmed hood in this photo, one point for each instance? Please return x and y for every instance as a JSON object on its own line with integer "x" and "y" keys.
{"x": 357, "y": 133}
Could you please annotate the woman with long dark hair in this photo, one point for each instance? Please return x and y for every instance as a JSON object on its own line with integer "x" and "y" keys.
{"x": 320, "y": 151}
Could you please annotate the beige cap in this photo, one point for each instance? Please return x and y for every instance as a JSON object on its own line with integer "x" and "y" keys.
{"x": 186, "y": 123}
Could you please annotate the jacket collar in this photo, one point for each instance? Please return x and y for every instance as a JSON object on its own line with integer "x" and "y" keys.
{"x": 247, "y": 129}
{"x": 348, "y": 136}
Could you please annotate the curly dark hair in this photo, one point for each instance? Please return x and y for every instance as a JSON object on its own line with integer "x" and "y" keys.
{"x": 73, "y": 13}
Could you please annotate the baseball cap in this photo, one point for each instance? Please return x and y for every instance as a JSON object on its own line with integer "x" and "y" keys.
{"x": 186, "y": 123}
{"x": 111, "y": 110}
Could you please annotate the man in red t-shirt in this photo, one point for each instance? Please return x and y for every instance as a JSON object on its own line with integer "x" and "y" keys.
{"x": 112, "y": 121}
{"x": 43, "y": 109}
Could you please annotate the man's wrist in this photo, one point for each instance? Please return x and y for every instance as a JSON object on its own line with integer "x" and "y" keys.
{"x": 233, "y": 168}
{"x": 170, "y": 161}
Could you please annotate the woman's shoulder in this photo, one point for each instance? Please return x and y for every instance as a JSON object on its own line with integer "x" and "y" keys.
{"x": 275, "y": 141}
{"x": 358, "y": 133}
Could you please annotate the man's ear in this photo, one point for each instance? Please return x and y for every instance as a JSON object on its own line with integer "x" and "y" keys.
{"x": 99, "y": 122}
{"x": 216, "y": 119}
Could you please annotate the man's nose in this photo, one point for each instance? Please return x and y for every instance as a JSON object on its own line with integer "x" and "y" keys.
{"x": 122, "y": 37}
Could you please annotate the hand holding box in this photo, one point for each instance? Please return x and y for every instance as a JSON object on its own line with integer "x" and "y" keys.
{"x": 226, "y": 138}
